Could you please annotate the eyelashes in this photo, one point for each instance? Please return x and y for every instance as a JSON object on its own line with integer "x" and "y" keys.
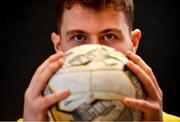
{"x": 108, "y": 37}
{"x": 78, "y": 37}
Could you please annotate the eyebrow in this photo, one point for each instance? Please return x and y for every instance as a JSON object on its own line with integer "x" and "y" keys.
{"x": 111, "y": 30}
{"x": 71, "y": 32}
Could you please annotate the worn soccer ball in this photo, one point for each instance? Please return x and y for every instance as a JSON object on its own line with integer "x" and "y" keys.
{"x": 97, "y": 79}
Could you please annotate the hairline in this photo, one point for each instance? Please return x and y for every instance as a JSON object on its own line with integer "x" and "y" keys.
{"x": 129, "y": 19}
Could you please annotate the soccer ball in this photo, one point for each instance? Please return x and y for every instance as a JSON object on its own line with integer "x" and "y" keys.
{"x": 97, "y": 79}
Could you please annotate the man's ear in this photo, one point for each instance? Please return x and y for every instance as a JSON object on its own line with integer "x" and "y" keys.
{"x": 55, "y": 38}
{"x": 136, "y": 36}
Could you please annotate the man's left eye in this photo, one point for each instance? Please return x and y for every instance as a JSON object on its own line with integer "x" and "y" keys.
{"x": 108, "y": 37}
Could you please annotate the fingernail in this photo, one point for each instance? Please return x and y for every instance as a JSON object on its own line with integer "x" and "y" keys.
{"x": 61, "y": 60}
{"x": 130, "y": 63}
{"x": 61, "y": 53}
{"x": 66, "y": 91}
{"x": 128, "y": 53}
{"x": 125, "y": 101}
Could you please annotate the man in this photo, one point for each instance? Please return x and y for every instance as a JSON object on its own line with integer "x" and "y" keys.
{"x": 106, "y": 22}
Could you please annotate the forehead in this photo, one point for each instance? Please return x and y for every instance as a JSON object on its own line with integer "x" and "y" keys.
{"x": 79, "y": 17}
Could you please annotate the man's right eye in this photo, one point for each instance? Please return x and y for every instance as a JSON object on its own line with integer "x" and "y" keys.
{"x": 79, "y": 37}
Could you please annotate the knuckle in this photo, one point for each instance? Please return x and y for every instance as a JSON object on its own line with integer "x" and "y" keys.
{"x": 143, "y": 103}
{"x": 138, "y": 59}
{"x": 51, "y": 67}
{"x": 156, "y": 108}
{"x": 27, "y": 95}
{"x": 34, "y": 106}
{"x": 149, "y": 70}
{"x": 161, "y": 94}
{"x": 135, "y": 68}
{"x": 56, "y": 97}
{"x": 50, "y": 57}
{"x": 39, "y": 69}
{"x": 29, "y": 100}
{"x": 55, "y": 65}
{"x": 47, "y": 101}
{"x": 59, "y": 63}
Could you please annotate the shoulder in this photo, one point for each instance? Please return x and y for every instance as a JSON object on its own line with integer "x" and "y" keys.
{"x": 169, "y": 117}
{"x": 20, "y": 120}
{"x": 166, "y": 118}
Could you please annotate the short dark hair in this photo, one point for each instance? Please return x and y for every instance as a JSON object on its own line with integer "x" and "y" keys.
{"x": 126, "y": 6}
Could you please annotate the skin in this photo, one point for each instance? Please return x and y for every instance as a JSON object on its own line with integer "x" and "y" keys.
{"x": 86, "y": 26}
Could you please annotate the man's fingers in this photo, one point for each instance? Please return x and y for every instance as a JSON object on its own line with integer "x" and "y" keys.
{"x": 50, "y": 60}
{"x": 144, "y": 78}
{"x": 46, "y": 74}
{"x": 137, "y": 104}
{"x": 149, "y": 108}
{"x": 54, "y": 98}
{"x": 137, "y": 60}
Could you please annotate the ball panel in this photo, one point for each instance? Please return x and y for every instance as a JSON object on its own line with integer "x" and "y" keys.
{"x": 103, "y": 80}
{"x": 76, "y": 82}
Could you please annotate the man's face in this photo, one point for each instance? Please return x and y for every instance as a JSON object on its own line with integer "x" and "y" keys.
{"x": 86, "y": 26}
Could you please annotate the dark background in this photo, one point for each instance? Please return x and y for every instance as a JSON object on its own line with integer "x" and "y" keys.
{"x": 25, "y": 28}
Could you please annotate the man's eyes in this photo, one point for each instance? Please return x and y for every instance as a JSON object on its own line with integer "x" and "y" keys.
{"x": 79, "y": 37}
{"x": 108, "y": 37}
{"x": 104, "y": 37}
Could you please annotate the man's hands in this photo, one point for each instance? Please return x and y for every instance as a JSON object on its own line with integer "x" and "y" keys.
{"x": 152, "y": 106}
{"x": 35, "y": 104}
